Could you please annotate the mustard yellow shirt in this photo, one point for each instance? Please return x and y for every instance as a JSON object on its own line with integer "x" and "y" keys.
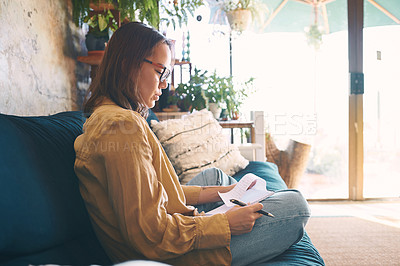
{"x": 136, "y": 204}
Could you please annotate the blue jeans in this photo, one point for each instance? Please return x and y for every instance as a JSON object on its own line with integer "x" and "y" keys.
{"x": 270, "y": 236}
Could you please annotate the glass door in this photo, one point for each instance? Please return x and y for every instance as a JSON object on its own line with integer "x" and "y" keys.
{"x": 302, "y": 84}
{"x": 381, "y": 111}
{"x": 304, "y": 92}
{"x": 304, "y": 95}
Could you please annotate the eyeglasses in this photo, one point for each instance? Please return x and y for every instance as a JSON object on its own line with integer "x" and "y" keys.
{"x": 165, "y": 72}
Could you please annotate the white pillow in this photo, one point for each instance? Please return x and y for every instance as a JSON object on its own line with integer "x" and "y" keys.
{"x": 196, "y": 142}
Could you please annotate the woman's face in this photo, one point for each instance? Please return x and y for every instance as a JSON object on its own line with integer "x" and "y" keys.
{"x": 149, "y": 84}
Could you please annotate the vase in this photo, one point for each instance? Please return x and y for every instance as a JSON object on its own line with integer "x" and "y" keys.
{"x": 215, "y": 109}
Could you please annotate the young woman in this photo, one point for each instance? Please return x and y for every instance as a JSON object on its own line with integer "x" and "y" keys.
{"x": 132, "y": 193}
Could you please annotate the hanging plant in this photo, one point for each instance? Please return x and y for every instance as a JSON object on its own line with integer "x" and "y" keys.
{"x": 240, "y": 13}
{"x": 239, "y": 19}
{"x": 314, "y": 36}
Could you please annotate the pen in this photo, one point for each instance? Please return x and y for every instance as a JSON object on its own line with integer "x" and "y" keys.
{"x": 238, "y": 202}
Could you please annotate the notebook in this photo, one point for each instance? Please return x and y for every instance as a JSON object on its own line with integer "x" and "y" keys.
{"x": 241, "y": 192}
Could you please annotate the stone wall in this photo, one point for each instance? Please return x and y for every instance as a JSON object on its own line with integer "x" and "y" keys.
{"x": 38, "y": 49}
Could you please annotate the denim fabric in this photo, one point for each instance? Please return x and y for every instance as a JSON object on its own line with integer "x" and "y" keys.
{"x": 211, "y": 177}
{"x": 270, "y": 236}
{"x": 301, "y": 253}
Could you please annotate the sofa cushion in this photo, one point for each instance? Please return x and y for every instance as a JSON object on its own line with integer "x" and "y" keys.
{"x": 40, "y": 203}
{"x": 151, "y": 116}
{"x": 265, "y": 170}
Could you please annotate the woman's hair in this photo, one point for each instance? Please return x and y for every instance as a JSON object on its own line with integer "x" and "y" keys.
{"x": 119, "y": 71}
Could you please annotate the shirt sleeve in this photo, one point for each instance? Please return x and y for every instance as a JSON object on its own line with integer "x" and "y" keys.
{"x": 192, "y": 194}
{"x": 140, "y": 201}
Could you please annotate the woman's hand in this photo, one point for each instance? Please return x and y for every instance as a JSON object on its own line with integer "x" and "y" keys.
{"x": 241, "y": 219}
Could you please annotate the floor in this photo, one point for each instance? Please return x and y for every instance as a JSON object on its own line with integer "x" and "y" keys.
{"x": 356, "y": 233}
{"x": 384, "y": 212}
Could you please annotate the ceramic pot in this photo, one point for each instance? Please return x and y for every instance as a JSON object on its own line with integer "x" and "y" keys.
{"x": 215, "y": 109}
{"x": 96, "y": 43}
{"x": 239, "y": 19}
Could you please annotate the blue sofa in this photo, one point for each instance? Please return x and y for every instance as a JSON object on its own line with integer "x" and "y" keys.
{"x": 43, "y": 217}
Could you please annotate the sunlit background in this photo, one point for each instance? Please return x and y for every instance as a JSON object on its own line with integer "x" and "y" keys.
{"x": 304, "y": 93}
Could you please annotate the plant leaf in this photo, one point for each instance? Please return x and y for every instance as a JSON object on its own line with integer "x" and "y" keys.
{"x": 103, "y": 22}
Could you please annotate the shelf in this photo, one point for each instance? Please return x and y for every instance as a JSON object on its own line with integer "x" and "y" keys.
{"x": 179, "y": 63}
{"x": 93, "y": 58}
{"x": 100, "y": 7}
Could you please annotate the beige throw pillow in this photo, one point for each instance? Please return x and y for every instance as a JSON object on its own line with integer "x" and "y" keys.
{"x": 196, "y": 142}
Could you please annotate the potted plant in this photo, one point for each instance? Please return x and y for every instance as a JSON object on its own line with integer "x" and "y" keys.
{"x": 100, "y": 26}
{"x": 242, "y": 13}
{"x": 216, "y": 93}
{"x": 101, "y": 16}
{"x": 237, "y": 95}
{"x": 148, "y": 11}
{"x": 98, "y": 12}
{"x": 227, "y": 93}
{"x": 172, "y": 101}
{"x": 213, "y": 92}
{"x": 191, "y": 95}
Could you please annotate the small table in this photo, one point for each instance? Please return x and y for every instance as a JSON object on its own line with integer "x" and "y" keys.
{"x": 239, "y": 124}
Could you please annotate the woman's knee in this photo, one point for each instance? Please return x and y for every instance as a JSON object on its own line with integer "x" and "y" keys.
{"x": 298, "y": 201}
{"x": 209, "y": 177}
{"x": 289, "y": 203}
{"x": 212, "y": 176}
{"x": 216, "y": 177}
{"x": 297, "y": 210}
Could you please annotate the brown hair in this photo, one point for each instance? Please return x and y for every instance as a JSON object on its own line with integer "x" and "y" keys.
{"x": 118, "y": 72}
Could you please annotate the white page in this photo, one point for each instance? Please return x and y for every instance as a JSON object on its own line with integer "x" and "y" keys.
{"x": 240, "y": 192}
{"x": 220, "y": 209}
